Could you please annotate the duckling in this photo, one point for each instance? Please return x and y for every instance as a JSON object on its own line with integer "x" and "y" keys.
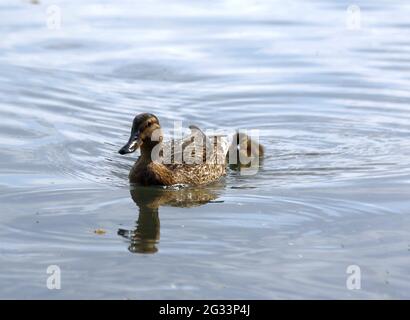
{"x": 245, "y": 148}
{"x": 199, "y": 160}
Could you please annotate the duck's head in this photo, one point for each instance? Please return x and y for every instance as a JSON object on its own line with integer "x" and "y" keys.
{"x": 145, "y": 131}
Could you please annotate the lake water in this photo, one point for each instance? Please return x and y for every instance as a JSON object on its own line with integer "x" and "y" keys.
{"x": 328, "y": 88}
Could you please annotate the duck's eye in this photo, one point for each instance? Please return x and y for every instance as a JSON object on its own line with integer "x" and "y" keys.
{"x": 147, "y": 125}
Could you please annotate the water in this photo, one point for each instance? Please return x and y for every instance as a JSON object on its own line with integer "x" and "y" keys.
{"x": 330, "y": 99}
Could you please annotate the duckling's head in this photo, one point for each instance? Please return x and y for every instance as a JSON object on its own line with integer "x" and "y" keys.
{"x": 145, "y": 131}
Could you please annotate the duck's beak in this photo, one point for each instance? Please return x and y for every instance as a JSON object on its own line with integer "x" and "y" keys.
{"x": 132, "y": 145}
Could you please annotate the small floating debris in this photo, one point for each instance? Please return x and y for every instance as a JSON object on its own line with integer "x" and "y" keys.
{"x": 100, "y": 231}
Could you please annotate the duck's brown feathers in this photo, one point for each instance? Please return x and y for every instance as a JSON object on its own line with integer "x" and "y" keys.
{"x": 148, "y": 172}
{"x": 196, "y": 160}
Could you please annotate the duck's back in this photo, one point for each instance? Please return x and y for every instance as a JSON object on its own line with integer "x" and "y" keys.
{"x": 190, "y": 164}
{"x": 204, "y": 167}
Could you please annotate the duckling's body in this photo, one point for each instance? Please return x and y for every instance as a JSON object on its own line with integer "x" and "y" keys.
{"x": 195, "y": 160}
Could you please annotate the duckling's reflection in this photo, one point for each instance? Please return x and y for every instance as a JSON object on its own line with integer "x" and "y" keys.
{"x": 145, "y": 238}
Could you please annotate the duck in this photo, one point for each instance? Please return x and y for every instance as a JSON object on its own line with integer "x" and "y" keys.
{"x": 195, "y": 160}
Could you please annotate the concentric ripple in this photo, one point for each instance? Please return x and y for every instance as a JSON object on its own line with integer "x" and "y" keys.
{"x": 331, "y": 104}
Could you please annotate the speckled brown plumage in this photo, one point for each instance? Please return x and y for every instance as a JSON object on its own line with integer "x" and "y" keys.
{"x": 148, "y": 172}
{"x": 146, "y": 134}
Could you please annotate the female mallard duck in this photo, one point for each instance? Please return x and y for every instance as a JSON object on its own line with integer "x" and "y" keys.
{"x": 198, "y": 160}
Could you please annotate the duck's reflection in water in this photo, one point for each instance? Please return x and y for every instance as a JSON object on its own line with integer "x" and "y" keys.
{"x": 145, "y": 237}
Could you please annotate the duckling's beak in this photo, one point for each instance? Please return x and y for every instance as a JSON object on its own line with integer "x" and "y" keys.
{"x": 133, "y": 144}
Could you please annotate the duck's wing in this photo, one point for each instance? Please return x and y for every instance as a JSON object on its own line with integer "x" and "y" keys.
{"x": 218, "y": 144}
{"x": 220, "y": 148}
{"x": 175, "y": 151}
{"x": 225, "y": 142}
{"x": 197, "y": 133}
{"x": 211, "y": 149}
